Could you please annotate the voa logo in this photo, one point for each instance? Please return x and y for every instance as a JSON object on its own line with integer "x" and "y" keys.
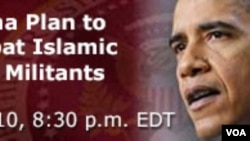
{"x": 236, "y": 132}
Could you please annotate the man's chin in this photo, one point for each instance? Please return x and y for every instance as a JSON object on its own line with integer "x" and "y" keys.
{"x": 206, "y": 130}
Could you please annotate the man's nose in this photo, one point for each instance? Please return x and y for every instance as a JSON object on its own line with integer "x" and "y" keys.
{"x": 192, "y": 64}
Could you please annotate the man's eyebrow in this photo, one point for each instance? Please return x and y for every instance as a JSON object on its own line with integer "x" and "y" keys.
{"x": 203, "y": 27}
{"x": 217, "y": 24}
{"x": 175, "y": 38}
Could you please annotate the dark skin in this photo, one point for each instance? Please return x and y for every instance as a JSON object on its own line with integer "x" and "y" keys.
{"x": 211, "y": 41}
{"x": 245, "y": 4}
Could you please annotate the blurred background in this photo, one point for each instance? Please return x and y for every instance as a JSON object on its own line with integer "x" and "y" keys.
{"x": 140, "y": 78}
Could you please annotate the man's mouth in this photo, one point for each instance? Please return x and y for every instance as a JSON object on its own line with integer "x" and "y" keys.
{"x": 200, "y": 93}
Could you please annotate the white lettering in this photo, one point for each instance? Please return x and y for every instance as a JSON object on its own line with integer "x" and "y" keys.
{"x": 8, "y": 24}
{"x": 49, "y": 23}
{"x": 235, "y": 132}
{"x": 90, "y": 24}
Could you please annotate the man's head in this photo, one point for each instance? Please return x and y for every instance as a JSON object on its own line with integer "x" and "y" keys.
{"x": 211, "y": 39}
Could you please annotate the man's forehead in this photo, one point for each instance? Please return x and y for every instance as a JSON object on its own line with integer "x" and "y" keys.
{"x": 190, "y": 13}
{"x": 184, "y": 5}
{"x": 194, "y": 6}
{"x": 245, "y": 4}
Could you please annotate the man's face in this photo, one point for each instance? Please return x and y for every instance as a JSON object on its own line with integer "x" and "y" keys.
{"x": 211, "y": 39}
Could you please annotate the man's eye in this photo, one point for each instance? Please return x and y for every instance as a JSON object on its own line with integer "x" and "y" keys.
{"x": 217, "y": 35}
{"x": 179, "y": 47}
